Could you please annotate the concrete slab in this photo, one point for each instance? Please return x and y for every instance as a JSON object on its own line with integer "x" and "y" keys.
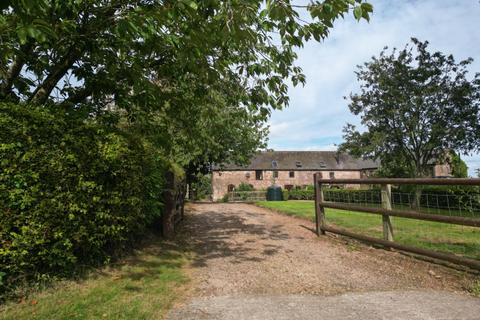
{"x": 391, "y": 305}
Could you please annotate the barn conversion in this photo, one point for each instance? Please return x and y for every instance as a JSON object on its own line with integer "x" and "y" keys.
{"x": 293, "y": 169}
{"x": 289, "y": 169}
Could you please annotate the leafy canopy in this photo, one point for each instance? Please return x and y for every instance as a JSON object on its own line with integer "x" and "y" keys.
{"x": 415, "y": 107}
{"x": 200, "y": 77}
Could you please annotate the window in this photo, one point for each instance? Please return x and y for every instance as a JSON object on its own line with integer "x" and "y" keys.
{"x": 231, "y": 187}
{"x": 274, "y": 164}
{"x": 298, "y": 164}
{"x": 332, "y": 175}
{"x": 258, "y": 175}
{"x": 288, "y": 187}
{"x": 275, "y": 174}
{"x": 291, "y": 174}
{"x": 322, "y": 164}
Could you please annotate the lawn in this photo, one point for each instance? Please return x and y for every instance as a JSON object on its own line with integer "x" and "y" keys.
{"x": 143, "y": 286}
{"x": 455, "y": 239}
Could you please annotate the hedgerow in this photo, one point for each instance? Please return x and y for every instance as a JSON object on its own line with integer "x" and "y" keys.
{"x": 72, "y": 192}
{"x": 461, "y": 198}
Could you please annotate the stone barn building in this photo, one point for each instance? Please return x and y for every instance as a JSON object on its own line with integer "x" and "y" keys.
{"x": 288, "y": 169}
{"x": 291, "y": 169}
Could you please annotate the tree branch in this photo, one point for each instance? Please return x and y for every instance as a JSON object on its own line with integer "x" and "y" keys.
{"x": 15, "y": 69}
{"x": 42, "y": 92}
{"x": 77, "y": 97}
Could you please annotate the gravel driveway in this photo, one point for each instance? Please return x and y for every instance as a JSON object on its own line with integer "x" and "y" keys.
{"x": 266, "y": 265}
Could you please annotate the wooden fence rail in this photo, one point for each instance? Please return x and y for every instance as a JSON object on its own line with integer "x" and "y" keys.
{"x": 386, "y": 211}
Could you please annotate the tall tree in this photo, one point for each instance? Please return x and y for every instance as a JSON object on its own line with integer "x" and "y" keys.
{"x": 415, "y": 106}
{"x": 200, "y": 76}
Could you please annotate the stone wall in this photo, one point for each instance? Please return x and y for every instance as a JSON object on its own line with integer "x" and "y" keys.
{"x": 222, "y": 179}
{"x": 442, "y": 170}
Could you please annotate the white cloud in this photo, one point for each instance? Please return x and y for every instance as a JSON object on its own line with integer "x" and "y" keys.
{"x": 318, "y": 112}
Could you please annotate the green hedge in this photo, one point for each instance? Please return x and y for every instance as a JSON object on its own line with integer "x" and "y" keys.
{"x": 72, "y": 192}
{"x": 456, "y": 197}
{"x": 464, "y": 198}
{"x": 300, "y": 194}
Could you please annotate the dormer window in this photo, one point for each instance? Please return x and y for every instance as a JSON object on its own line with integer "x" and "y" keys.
{"x": 274, "y": 164}
{"x": 322, "y": 164}
{"x": 298, "y": 164}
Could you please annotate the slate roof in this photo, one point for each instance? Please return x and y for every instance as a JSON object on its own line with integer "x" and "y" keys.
{"x": 301, "y": 160}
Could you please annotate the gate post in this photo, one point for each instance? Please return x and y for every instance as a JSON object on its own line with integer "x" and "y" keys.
{"x": 386, "y": 194}
{"x": 319, "y": 209}
{"x": 168, "y": 225}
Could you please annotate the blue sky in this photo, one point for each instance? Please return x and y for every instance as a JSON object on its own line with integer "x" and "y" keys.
{"x": 318, "y": 112}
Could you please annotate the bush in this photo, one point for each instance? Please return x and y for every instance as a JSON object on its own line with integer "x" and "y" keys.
{"x": 465, "y": 198}
{"x": 301, "y": 194}
{"x": 202, "y": 186}
{"x": 225, "y": 198}
{"x": 353, "y": 196}
{"x": 72, "y": 192}
{"x": 244, "y": 187}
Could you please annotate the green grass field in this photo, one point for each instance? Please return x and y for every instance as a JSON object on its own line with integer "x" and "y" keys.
{"x": 455, "y": 239}
{"x": 141, "y": 287}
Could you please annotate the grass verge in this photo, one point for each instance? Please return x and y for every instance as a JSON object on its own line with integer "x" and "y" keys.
{"x": 449, "y": 238}
{"x": 143, "y": 286}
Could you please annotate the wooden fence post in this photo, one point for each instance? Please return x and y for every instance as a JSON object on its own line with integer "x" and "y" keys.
{"x": 319, "y": 209}
{"x": 168, "y": 225}
{"x": 386, "y": 194}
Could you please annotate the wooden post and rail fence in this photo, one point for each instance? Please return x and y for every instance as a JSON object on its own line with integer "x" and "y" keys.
{"x": 386, "y": 212}
{"x": 174, "y": 199}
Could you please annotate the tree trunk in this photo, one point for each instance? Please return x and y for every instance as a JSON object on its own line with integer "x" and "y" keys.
{"x": 415, "y": 202}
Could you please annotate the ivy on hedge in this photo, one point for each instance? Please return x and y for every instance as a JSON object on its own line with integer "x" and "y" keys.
{"x": 72, "y": 192}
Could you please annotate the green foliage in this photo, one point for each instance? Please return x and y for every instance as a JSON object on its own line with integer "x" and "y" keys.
{"x": 244, "y": 187}
{"x": 72, "y": 192}
{"x": 475, "y": 289}
{"x": 200, "y": 78}
{"x": 465, "y": 199}
{"x": 123, "y": 85}
{"x": 202, "y": 186}
{"x": 415, "y": 106}
{"x": 225, "y": 198}
{"x": 301, "y": 194}
{"x": 458, "y": 166}
{"x": 155, "y": 272}
{"x": 462, "y": 198}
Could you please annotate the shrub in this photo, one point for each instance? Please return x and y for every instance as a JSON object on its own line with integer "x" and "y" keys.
{"x": 462, "y": 198}
{"x": 225, "y": 198}
{"x": 465, "y": 198}
{"x": 72, "y": 192}
{"x": 202, "y": 186}
{"x": 301, "y": 194}
{"x": 245, "y": 187}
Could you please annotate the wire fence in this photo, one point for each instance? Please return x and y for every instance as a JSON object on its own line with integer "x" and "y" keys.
{"x": 465, "y": 204}
{"x": 247, "y": 196}
{"x": 443, "y": 237}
